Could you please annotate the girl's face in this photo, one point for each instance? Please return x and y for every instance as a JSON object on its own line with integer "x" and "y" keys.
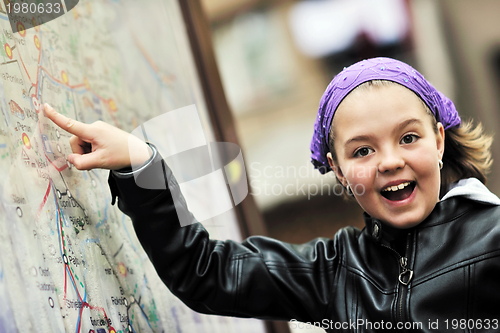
{"x": 388, "y": 152}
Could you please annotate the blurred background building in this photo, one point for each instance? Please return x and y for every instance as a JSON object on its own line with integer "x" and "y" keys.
{"x": 276, "y": 58}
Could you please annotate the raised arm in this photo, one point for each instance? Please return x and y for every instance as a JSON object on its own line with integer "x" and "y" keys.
{"x": 261, "y": 277}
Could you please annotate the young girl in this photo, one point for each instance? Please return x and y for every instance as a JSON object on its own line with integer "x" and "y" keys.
{"x": 428, "y": 259}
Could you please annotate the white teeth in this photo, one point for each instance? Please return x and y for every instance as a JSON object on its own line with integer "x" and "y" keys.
{"x": 396, "y": 188}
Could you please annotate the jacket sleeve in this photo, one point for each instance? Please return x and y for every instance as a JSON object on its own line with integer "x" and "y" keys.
{"x": 260, "y": 277}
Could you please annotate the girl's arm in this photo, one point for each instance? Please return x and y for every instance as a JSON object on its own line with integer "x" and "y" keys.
{"x": 260, "y": 277}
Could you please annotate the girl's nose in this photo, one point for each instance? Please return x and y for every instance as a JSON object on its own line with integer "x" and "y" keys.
{"x": 390, "y": 161}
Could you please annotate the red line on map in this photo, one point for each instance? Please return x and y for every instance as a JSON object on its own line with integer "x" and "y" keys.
{"x": 61, "y": 82}
{"x": 80, "y": 85}
{"x": 74, "y": 281}
{"x": 145, "y": 54}
{"x": 150, "y": 61}
{"x": 44, "y": 200}
{"x": 80, "y": 321}
{"x": 65, "y": 284}
{"x": 55, "y": 166}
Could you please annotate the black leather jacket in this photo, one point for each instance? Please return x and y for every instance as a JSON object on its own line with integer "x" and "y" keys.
{"x": 443, "y": 275}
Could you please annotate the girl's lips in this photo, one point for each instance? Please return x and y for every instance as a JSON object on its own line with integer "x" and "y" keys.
{"x": 398, "y": 192}
{"x": 395, "y": 183}
{"x": 401, "y": 197}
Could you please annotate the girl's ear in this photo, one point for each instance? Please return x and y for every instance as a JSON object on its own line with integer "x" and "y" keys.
{"x": 336, "y": 169}
{"x": 440, "y": 140}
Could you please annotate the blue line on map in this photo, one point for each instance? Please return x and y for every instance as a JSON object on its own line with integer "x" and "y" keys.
{"x": 78, "y": 322}
{"x": 72, "y": 280}
{"x": 82, "y": 250}
{"x": 3, "y": 145}
{"x": 59, "y": 234}
{"x": 57, "y": 83}
{"x": 6, "y": 18}
{"x": 142, "y": 306}
{"x": 62, "y": 85}
{"x": 106, "y": 204}
{"x": 39, "y": 70}
{"x": 86, "y": 241}
{"x": 65, "y": 221}
{"x": 106, "y": 209}
{"x": 57, "y": 221}
{"x": 176, "y": 319}
{"x": 80, "y": 313}
{"x": 147, "y": 320}
{"x": 80, "y": 90}
{"x": 98, "y": 225}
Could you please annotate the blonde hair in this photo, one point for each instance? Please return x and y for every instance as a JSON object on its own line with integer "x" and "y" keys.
{"x": 467, "y": 151}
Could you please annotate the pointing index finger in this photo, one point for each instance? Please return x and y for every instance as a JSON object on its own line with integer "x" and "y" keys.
{"x": 68, "y": 124}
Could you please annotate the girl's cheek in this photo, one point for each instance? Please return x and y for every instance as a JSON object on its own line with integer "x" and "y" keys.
{"x": 425, "y": 163}
{"x": 357, "y": 173}
{"x": 365, "y": 173}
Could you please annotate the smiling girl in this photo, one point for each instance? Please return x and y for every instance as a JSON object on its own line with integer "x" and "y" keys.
{"x": 428, "y": 259}
{"x": 384, "y": 134}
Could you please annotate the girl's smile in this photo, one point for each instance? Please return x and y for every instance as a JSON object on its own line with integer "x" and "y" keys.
{"x": 388, "y": 151}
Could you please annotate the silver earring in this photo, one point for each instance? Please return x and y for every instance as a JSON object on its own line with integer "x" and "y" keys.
{"x": 440, "y": 163}
{"x": 349, "y": 191}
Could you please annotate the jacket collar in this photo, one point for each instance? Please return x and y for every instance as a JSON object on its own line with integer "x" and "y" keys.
{"x": 452, "y": 204}
{"x": 381, "y": 232}
{"x": 472, "y": 189}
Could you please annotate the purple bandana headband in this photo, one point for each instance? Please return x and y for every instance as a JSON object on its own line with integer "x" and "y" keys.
{"x": 374, "y": 69}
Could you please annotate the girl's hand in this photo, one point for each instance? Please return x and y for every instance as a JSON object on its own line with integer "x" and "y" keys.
{"x": 100, "y": 145}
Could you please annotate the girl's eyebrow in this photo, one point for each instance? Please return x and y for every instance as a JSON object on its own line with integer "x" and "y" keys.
{"x": 398, "y": 128}
{"x": 357, "y": 138}
{"x": 407, "y": 122}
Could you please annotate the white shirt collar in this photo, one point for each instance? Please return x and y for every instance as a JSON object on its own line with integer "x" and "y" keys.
{"x": 472, "y": 189}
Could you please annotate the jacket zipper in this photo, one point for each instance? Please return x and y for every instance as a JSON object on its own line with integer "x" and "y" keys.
{"x": 405, "y": 276}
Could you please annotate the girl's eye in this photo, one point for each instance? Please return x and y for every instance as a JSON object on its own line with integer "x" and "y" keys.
{"x": 362, "y": 152}
{"x": 410, "y": 138}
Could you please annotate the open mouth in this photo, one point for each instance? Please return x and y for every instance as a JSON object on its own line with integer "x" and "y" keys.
{"x": 398, "y": 192}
